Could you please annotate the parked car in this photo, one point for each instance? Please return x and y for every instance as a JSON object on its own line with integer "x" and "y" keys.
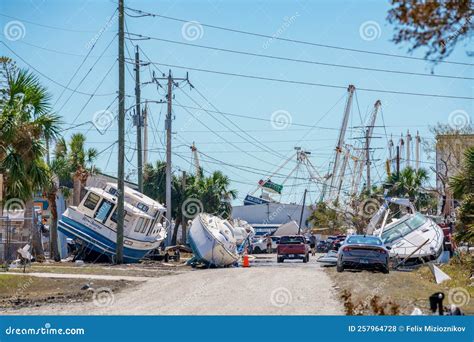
{"x": 260, "y": 245}
{"x": 292, "y": 247}
{"x": 363, "y": 252}
{"x": 322, "y": 246}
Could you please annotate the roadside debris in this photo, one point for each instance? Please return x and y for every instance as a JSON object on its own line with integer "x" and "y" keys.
{"x": 439, "y": 275}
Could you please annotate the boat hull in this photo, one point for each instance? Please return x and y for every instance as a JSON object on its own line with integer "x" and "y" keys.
{"x": 207, "y": 248}
{"x": 91, "y": 238}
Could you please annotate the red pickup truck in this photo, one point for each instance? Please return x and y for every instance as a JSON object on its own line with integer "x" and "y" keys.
{"x": 292, "y": 247}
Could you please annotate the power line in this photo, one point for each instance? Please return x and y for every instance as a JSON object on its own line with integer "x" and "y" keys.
{"x": 49, "y": 78}
{"x": 143, "y": 13}
{"x": 300, "y": 60}
{"x": 312, "y": 83}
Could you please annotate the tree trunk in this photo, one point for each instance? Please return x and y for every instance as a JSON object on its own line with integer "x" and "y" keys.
{"x": 35, "y": 231}
{"x": 177, "y": 222}
{"x": 184, "y": 226}
{"x": 53, "y": 228}
{"x": 76, "y": 196}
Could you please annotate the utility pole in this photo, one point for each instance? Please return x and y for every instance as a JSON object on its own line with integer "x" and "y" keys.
{"x": 417, "y": 151}
{"x": 302, "y": 211}
{"x": 121, "y": 135}
{"x": 169, "y": 98}
{"x": 408, "y": 148}
{"x": 145, "y": 133}
{"x": 183, "y": 218}
{"x": 342, "y": 171}
{"x": 138, "y": 121}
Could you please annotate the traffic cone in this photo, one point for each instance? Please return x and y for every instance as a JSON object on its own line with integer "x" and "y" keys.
{"x": 245, "y": 262}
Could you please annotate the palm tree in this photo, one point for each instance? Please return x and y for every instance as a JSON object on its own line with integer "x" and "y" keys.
{"x": 25, "y": 121}
{"x": 81, "y": 162}
{"x": 408, "y": 184}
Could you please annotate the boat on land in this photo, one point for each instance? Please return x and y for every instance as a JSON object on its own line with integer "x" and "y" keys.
{"x": 93, "y": 223}
{"x": 413, "y": 236}
{"x": 213, "y": 241}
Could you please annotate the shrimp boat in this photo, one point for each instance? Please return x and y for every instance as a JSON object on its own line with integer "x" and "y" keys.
{"x": 93, "y": 223}
{"x": 213, "y": 241}
{"x": 413, "y": 236}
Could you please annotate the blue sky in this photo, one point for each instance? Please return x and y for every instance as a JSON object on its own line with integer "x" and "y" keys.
{"x": 57, "y": 51}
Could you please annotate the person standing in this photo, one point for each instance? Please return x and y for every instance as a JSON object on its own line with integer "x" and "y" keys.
{"x": 312, "y": 244}
{"x": 269, "y": 244}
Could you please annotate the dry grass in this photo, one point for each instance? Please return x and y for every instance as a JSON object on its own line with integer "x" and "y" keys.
{"x": 406, "y": 289}
{"x": 23, "y": 290}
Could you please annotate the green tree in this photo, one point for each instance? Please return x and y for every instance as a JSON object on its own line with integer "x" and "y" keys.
{"x": 26, "y": 120}
{"x": 409, "y": 183}
{"x": 462, "y": 186}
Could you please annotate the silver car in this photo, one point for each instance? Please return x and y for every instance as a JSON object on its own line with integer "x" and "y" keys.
{"x": 363, "y": 252}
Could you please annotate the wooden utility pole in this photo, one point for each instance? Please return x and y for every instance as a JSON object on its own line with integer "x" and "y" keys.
{"x": 169, "y": 98}
{"x": 302, "y": 211}
{"x": 184, "y": 222}
{"x": 121, "y": 136}
{"x": 138, "y": 121}
{"x": 145, "y": 133}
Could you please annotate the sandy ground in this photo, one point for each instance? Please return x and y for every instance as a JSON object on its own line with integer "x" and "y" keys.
{"x": 266, "y": 288}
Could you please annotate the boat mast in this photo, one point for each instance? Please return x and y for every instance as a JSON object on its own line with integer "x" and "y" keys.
{"x": 342, "y": 133}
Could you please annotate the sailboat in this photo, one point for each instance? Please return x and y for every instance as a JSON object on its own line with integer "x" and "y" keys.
{"x": 213, "y": 241}
{"x": 93, "y": 223}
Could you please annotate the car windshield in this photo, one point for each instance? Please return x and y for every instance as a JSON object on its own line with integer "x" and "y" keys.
{"x": 365, "y": 240}
{"x": 403, "y": 228}
{"x": 291, "y": 240}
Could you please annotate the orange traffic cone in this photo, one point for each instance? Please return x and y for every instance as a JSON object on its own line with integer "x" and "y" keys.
{"x": 245, "y": 261}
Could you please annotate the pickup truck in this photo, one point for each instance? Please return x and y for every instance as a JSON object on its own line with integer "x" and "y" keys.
{"x": 292, "y": 247}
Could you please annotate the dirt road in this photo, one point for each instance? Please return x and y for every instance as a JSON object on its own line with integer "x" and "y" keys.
{"x": 266, "y": 288}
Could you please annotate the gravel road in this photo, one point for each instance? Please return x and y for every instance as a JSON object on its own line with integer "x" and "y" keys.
{"x": 266, "y": 288}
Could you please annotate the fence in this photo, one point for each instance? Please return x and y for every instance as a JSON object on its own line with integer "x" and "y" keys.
{"x": 13, "y": 235}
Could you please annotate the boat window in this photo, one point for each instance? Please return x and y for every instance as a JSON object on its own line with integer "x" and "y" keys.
{"x": 103, "y": 211}
{"x": 145, "y": 226}
{"x": 396, "y": 232}
{"x": 113, "y": 191}
{"x": 91, "y": 201}
{"x": 142, "y": 207}
{"x": 126, "y": 216}
{"x": 416, "y": 221}
{"x": 139, "y": 225}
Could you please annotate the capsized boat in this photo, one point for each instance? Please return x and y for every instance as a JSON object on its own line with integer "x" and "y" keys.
{"x": 213, "y": 241}
{"x": 93, "y": 223}
{"x": 412, "y": 236}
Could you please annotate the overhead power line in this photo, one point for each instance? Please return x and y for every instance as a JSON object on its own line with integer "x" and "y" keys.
{"x": 312, "y": 83}
{"x": 300, "y": 60}
{"x": 143, "y": 13}
{"x": 49, "y": 78}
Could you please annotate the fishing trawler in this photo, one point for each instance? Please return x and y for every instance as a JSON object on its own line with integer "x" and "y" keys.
{"x": 93, "y": 223}
{"x": 412, "y": 236}
{"x": 213, "y": 241}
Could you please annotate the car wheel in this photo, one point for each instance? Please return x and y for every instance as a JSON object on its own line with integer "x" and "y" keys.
{"x": 305, "y": 259}
{"x": 386, "y": 270}
{"x": 339, "y": 268}
{"x": 257, "y": 250}
{"x": 279, "y": 260}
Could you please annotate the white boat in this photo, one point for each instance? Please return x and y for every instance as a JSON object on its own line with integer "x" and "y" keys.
{"x": 213, "y": 241}
{"x": 92, "y": 224}
{"x": 412, "y": 236}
